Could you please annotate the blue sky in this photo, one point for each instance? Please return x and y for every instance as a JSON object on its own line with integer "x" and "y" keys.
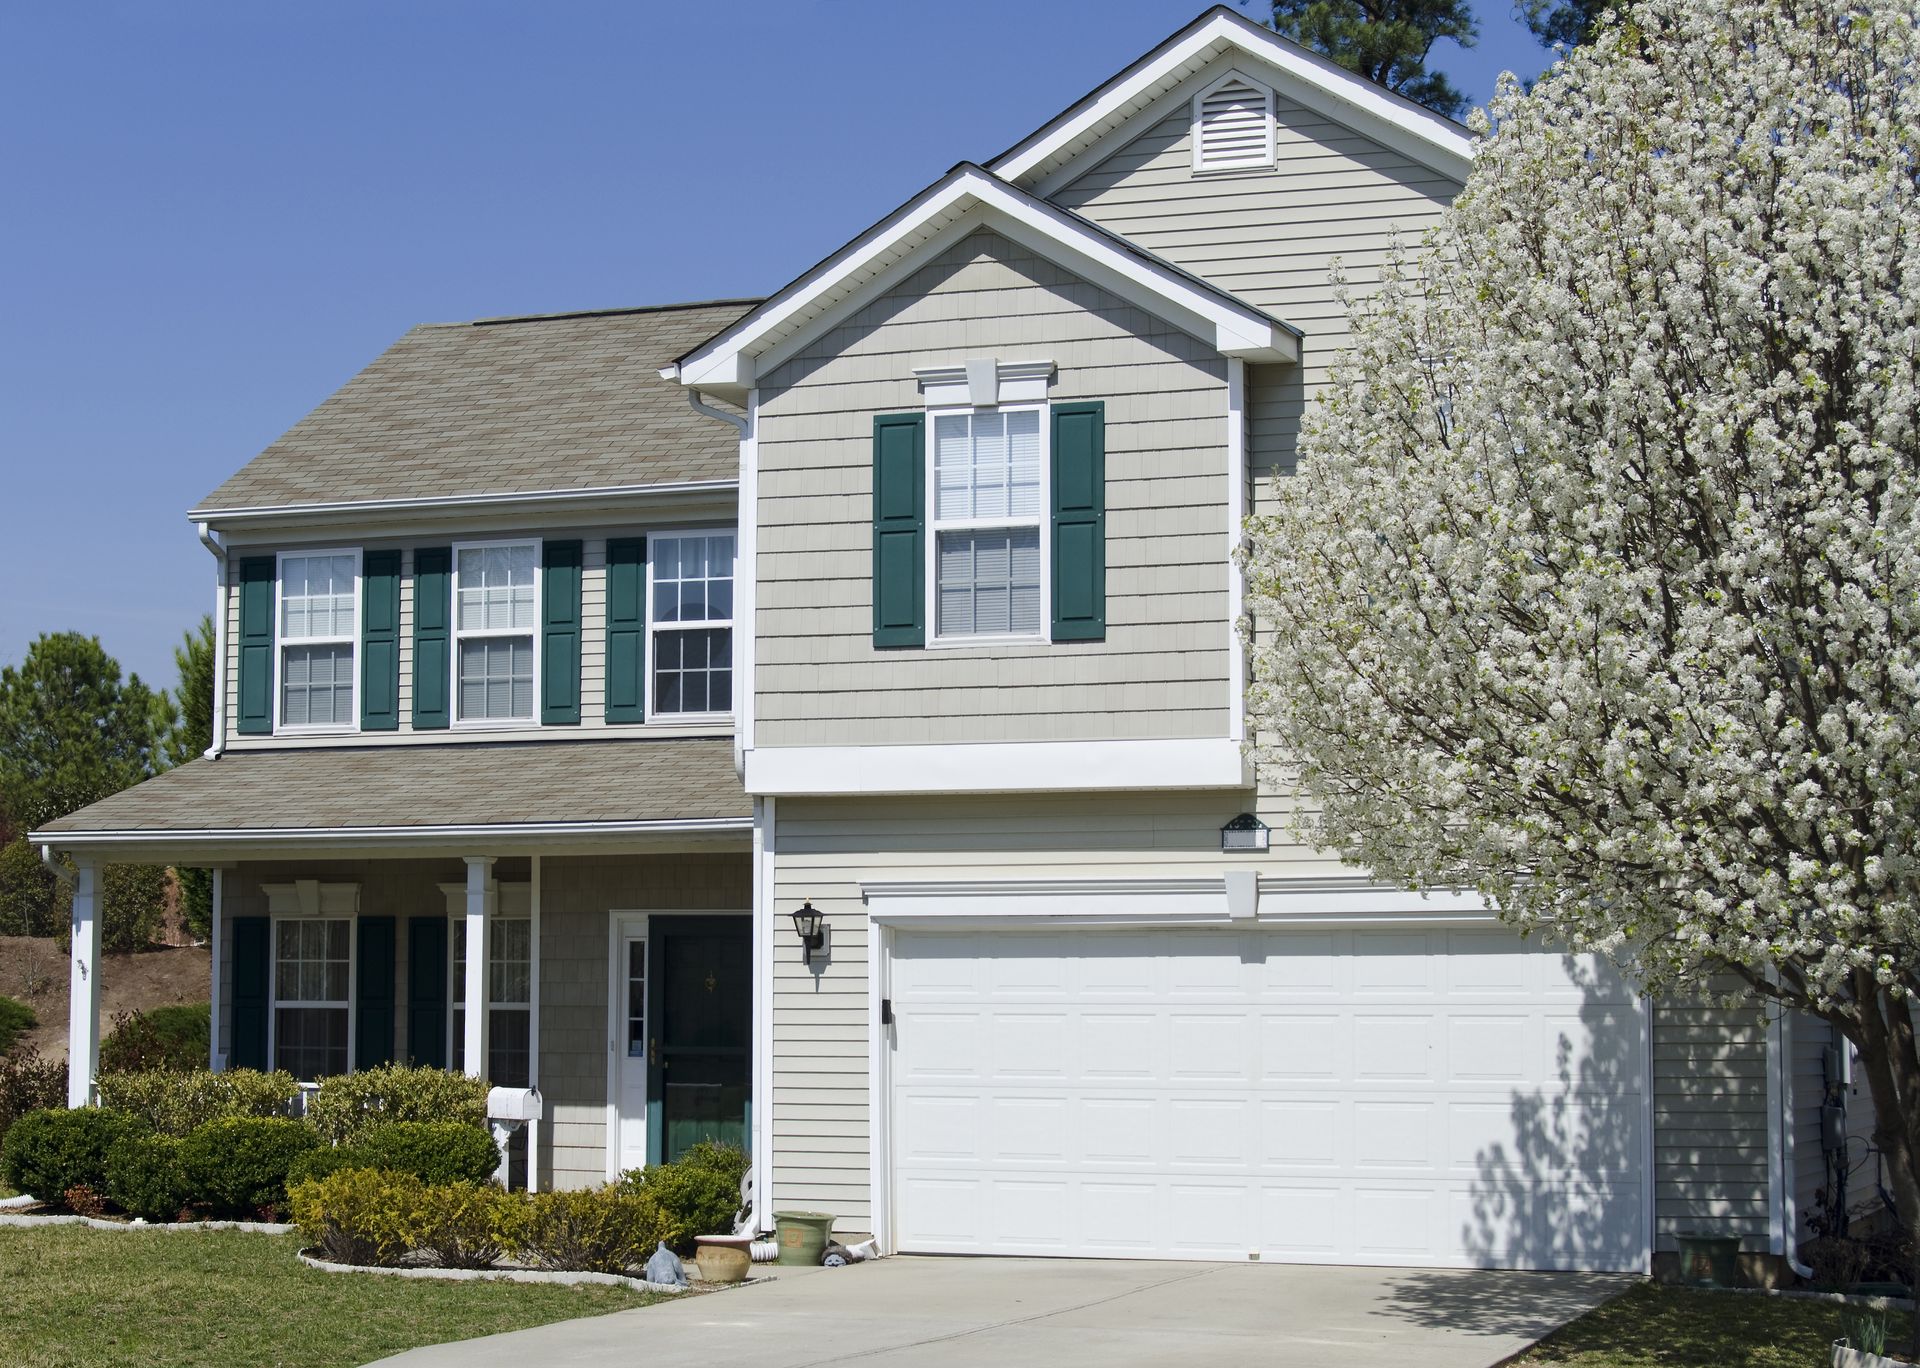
{"x": 215, "y": 213}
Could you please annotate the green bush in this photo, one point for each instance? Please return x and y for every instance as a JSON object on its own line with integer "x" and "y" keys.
{"x": 48, "y": 1152}
{"x": 433, "y": 1151}
{"x": 597, "y": 1230}
{"x": 693, "y": 1200}
{"x": 167, "y": 1039}
{"x": 324, "y": 1162}
{"x": 32, "y": 901}
{"x": 16, "y": 1019}
{"x": 471, "y": 1225}
{"x": 146, "y": 1178}
{"x": 239, "y": 1165}
{"x": 730, "y": 1161}
{"x": 29, "y": 1083}
{"x": 180, "y": 1103}
{"x": 133, "y": 901}
{"x": 347, "y": 1106}
{"x": 360, "y": 1216}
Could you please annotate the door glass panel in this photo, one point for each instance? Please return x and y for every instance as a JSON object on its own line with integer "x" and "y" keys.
{"x": 636, "y": 999}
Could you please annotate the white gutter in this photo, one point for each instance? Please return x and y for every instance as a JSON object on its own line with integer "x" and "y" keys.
{"x": 459, "y": 502}
{"x": 748, "y": 542}
{"x": 386, "y": 835}
{"x": 211, "y": 540}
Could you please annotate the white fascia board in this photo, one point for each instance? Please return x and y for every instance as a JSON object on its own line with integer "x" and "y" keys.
{"x": 518, "y": 502}
{"x": 1303, "y": 76}
{"x": 1198, "y": 901}
{"x": 483, "y": 836}
{"x": 998, "y": 767}
{"x": 772, "y": 332}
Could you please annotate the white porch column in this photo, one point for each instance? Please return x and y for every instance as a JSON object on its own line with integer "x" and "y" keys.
{"x": 479, "y": 905}
{"x": 216, "y": 1057}
{"x": 83, "y": 1000}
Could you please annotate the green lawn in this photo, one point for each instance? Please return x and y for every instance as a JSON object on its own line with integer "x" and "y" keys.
{"x": 71, "y": 1296}
{"x": 1670, "y": 1327}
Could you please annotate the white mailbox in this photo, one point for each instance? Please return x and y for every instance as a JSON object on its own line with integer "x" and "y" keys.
{"x": 513, "y": 1104}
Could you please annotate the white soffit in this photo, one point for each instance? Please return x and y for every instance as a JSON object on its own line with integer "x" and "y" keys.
{"x": 1167, "y": 77}
{"x": 966, "y": 199}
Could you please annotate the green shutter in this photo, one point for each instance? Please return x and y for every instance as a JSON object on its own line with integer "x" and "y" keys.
{"x": 252, "y": 987}
{"x": 560, "y": 634}
{"x": 256, "y": 646}
{"x": 627, "y": 629}
{"x": 380, "y": 641}
{"x": 899, "y": 529}
{"x": 1080, "y": 522}
{"x": 427, "y": 992}
{"x": 432, "y": 637}
{"x": 373, "y": 993}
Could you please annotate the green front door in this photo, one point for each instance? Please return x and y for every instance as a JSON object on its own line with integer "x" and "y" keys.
{"x": 700, "y": 980}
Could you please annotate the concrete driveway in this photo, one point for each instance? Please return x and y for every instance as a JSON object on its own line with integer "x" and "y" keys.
{"x": 1063, "y": 1313}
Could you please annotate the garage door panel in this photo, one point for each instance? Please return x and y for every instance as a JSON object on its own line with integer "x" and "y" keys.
{"x": 1436, "y": 1097}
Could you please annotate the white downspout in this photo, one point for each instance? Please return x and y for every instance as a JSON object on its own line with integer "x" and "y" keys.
{"x": 211, "y": 540}
{"x": 1789, "y": 1214}
{"x": 745, "y": 572}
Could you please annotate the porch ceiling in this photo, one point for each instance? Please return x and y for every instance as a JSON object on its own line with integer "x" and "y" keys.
{"x": 478, "y": 798}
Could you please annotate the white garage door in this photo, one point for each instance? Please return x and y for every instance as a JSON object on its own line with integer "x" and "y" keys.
{"x": 1443, "y": 1097}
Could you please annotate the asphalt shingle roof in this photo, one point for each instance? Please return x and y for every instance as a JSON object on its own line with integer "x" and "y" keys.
{"x": 506, "y": 406}
{"x": 400, "y": 787}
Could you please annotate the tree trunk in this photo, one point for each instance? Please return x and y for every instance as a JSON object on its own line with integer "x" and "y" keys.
{"x": 1884, "y": 1035}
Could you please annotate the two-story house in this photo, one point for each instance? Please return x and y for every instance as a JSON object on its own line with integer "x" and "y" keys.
{"x": 819, "y": 722}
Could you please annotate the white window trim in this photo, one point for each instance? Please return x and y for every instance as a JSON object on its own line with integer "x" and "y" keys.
{"x": 281, "y": 641}
{"x": 275, "y": 1002}
{"x": 457, "y": 636}
{"x": 1042, "y": 519}
{"x": 457, "y": 982}
{"x": 1268, "y": 114}
{"x": 653, "y": 712}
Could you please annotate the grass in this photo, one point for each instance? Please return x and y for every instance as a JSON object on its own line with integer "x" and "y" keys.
{"x": 71, "y": 1296}
{"x": 1671, "y": 1327}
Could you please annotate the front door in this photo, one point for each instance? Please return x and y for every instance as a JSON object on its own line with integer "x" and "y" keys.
{"x": 629, "y": 1041}
{"x": 700, "y": 990}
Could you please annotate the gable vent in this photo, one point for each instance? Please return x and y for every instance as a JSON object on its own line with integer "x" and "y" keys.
{"x": 1232, "y": 127}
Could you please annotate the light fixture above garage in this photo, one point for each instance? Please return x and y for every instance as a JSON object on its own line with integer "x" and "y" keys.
{"x": 1245, "y": 832}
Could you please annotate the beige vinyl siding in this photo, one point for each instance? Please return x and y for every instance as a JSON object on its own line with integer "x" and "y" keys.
{"x": 577, "y": 894}
{"x": 1710, "y": 1122}
{"x": 1161, "y": 672}
{"x": 825, "y": 848}
{"x": 593, "y": 645}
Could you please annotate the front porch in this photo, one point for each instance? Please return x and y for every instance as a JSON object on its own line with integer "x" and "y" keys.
{"x": 619, "y": 963}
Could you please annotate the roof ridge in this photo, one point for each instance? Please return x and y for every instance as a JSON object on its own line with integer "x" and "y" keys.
{"x": 743, "y": 301}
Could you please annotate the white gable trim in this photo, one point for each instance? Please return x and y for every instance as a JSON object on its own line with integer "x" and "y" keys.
{"x": 967, "y": 199}
{"x": 1091, "y": 129}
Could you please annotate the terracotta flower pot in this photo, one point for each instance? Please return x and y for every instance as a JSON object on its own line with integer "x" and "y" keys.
{"x": 723, "y": 1258}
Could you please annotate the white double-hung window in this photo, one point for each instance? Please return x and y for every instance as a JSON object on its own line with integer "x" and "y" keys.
{"x": 312, "y": 995}
{"x": 691, "y": 622}
{"x": 509, "y": 1000}
{"x": 319, "y": 625}
{"x": 988, "y": 499}
{"x": 496, "y": 616}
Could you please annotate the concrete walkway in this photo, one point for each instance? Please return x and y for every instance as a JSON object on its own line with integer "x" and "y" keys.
{"x": 1064, "y": 1313}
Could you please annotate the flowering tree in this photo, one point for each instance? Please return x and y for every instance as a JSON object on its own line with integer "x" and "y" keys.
{"x": 1597, "y": 587}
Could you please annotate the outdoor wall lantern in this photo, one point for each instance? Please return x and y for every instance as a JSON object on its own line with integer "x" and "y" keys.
{"x": 807, "y": 923}
{"x": 1245, "y": 832}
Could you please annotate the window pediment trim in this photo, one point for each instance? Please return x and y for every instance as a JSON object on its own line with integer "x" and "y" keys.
{"x": 312, "y": 898}
{"x": 982, "y": 382}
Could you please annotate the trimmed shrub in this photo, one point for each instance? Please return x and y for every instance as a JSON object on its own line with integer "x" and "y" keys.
{"x": 471, "y": 1225}
{"x": 433, "y": 1151}
{"x": 16, "y": 1019}
{"x": 239, "y": 1165}
{"x": 29, "y": 1083}
{"x": 324, "y": 1162}
{"x": 693, "y": 1200}
{"x": 180, "y": 1103}
{"x": 597, "y": 1230}
{"x": 730, "y": 1161}
{"x": 347, "y": 1106}
{"x": 48, "y": 1152}
{"x": 169, "y": 1039}
{"x": 146, "y": 1178}
{"x": 360, "y": 1216}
